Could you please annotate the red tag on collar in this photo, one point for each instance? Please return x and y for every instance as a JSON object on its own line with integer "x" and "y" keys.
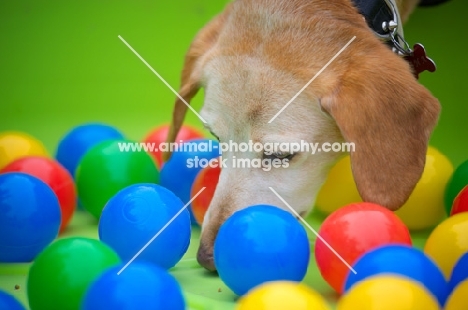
{"x": 419, "y": 60}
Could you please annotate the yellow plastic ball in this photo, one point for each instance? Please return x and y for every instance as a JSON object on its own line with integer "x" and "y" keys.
{"x": 281, "y": 295}
{"x": 448, "y": 242}
{"x": 458, "y": 300}
{"x": 339, "y": 189}
{"x": 387, "y": 293}
{"x": 14, "y": 144}
{"x": 425, "y": 207}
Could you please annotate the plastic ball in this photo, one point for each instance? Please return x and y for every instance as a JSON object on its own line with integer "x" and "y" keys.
{"x": 388, "y": 292}
{"x": 105, "y": 170}
{"x": 460, "y": 203}
{"x": 54, "y": 175}
{"x": 403, "y": 261}
{"x": 339, "y": 189}
{"x": 259, "y": 244}
{"x": 459, "y": 272}
{"x": 425, "y": 207}
{"x": 456, "y": 183}
{"x": 61, "y": 274}
{"x": 448, "y": 242}
{"x": 457, "y": 299}
{"x": 138, "y": 286}
{"x": 29, "y": 217}
{"x": 179, "y": 173}
{"x": 282, "y": 295}
{"x": 8, "y": 302}
{"x": 352, "y": 231}
{"x": 78, "y": 141}
{"x": 14, "y": 145}
{"x": 207, "y": 178}
{"x": 159, "y": 135}
{"x": 137, "y": 213}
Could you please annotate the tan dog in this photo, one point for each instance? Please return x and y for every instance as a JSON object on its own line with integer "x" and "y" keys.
{"x": 256, "y": 55}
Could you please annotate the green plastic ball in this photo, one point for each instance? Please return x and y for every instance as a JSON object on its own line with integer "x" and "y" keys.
{"x": 456, "y": 183}
{"x": 106, "y": 169}
{"x": 61, "y": 274}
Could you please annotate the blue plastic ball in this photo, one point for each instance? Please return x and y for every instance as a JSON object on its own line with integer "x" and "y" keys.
{"x": 30, "y": 217}
{"x": 459, "y": 272}
{"x": 258, "y": 244}
{"x": 80, "y": 140}
{"x": 179, "y": 173}
{"x": 138, "y": 286}
{"x": 402, "y": 260}
{"x": 8, "y": 302}
{"x": 136, "y": 214}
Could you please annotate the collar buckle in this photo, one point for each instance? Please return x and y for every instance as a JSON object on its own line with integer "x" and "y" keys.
{"x": 393, "y": 32}
{"x": 400, "y": 46}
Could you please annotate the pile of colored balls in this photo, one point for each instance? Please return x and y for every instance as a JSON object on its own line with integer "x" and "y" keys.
{"x": 98, "y": 170}
{"x": 145, "y": 211}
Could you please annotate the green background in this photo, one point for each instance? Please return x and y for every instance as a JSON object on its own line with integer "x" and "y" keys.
{"x": 62, "y": 64}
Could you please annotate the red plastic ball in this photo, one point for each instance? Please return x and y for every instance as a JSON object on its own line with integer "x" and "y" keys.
{"x": 352, "y": 231}
{"x": 159, "y": 135}
{"x": 207, "y": 178}
{"x": 53, "y": 174}
{"x": 460, "y": 203}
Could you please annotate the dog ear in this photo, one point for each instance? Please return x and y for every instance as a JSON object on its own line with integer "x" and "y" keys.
{"x": 190, "y": 79}
{"x": 389, "y": 116}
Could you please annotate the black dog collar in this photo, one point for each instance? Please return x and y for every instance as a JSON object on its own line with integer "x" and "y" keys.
{"x": 383, "y": 18}
{"x": 378, "y": 15}
{"x": 431, "y": 2}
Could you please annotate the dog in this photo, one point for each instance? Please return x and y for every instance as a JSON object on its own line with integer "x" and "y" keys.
{"x": 256, "y": 55}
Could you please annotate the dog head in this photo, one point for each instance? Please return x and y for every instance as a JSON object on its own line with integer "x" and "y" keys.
{"x": 255, "y": 57}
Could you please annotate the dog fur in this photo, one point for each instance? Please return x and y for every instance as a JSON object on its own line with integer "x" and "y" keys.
{"x": 256, "y": 55}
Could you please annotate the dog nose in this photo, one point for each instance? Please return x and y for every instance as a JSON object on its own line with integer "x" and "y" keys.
{"x": 205, "y": 257}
